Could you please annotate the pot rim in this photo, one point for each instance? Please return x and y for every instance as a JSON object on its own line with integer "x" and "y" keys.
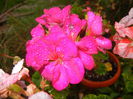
{"x": 99, "y": 84}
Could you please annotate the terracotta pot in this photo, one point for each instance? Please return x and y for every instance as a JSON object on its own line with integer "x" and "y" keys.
{"x": 99, "y": 84}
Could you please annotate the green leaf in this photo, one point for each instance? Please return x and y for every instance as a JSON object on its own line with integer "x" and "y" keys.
{"x": 129, "y": 86}
{"x": 105, "y": 90}
{"x": 36, "y": 78}
{"x": 92, "y": 96}
{"x": 127, "y": 73}
{"x": 127, "y": 97}
{"x": 57, "y": 94}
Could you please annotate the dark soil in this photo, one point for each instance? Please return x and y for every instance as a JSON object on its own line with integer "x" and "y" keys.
{"x": 91, "y": 75}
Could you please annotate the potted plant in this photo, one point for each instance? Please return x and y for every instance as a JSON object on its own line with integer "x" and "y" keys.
{"x": 106, "y": 73}
{"x": 64, "y": 49}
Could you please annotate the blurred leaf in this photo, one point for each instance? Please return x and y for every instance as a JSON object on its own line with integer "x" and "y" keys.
{"x": 77, "y": 9}
{"x": 2, "y": 2}
{"x": 36, "y": 78}
{"x": 105, "y": 90}
{"x": 15, "y": 88}
{"x": 127, "y": 97}
{"x": 129, "y": 86}
{"x": 57, "y": 94}
{"x": 114, "y": 94}
{"x": 92, "y": 96}
{"x": 127, "y": 73}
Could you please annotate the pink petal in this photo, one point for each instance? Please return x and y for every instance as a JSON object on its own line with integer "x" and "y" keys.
{"x": 120, "y": 29}
{"x": 48, "y": 71}
{"x": 104, "y": 42}
{"x": 130, "y": 22}
{"x": 77, "y": 25}
{"x": 41, "y": 20}
{"x": 131, "y": 13}
{"x": 87, "y": 60}
{"x": 62, "y": 81}
{"x": 123, "y": 31}
{"x": 65, "y": 12}
{"x": 96, "y": 26}
{"x": 63, "y": 49}
{"x": 55, "y": 33}
{"x": 88, "y": 45}
{"x": 37, "y": 53}
{"x": 7, "y": 79}
{"x": 127, "y": 20}
{"x": 52, "y": 11}
{"x": 94, "y": 23}
{"x": 38, "y": 31}
{"x": 57, "y": 74}
{"x": 90, "y": 18}
{"x": 129, "y": 32}
{"x": 75, "y": 70}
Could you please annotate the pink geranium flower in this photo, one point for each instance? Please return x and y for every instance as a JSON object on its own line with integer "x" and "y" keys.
{"x": 94, "y": 24}
{"x": 59, "y": 55}
{"x": 51, "y": 55}
{"x": 89, "y": 45}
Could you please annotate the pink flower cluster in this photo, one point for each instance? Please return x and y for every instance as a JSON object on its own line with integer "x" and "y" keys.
{"x": 124, "y": 36}
{"x": 58, "y": 53}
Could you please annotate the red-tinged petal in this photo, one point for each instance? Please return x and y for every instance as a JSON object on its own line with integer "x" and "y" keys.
{"x": 104, "y": 42}
{"x": 62, "y": 81}
{"x": 75, "y": 70}
{"x": 124, "y": 48}
{"x": 37, "y": 31}
{"x": 120, "y": 29}
{"x": 116, "y": 37}
{"x": 87, "y": 60}
{"x": 88, "y": 45}
{"x": 129, "y": 52}
{"x": 123, "y": 31}
{"x": 129, "y": 32}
